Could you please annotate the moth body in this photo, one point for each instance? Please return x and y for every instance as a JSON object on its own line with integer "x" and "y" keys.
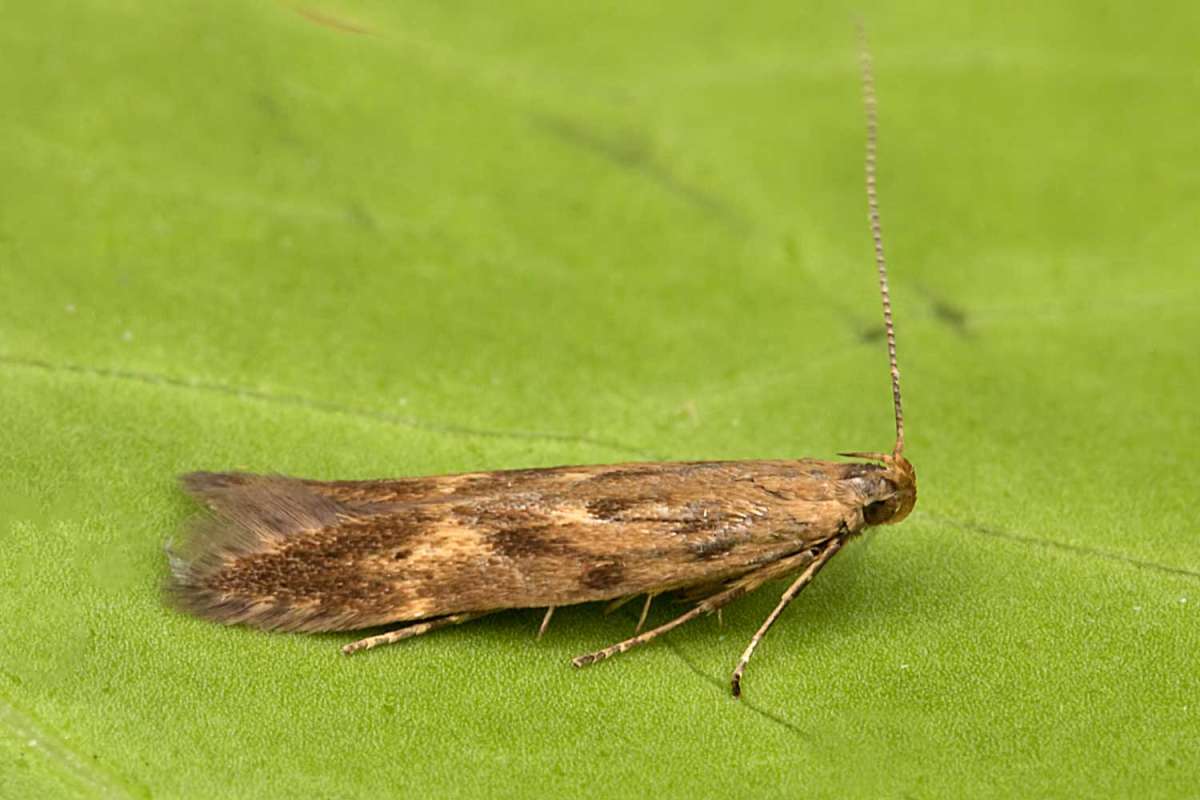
{"x": 290, "y": 554}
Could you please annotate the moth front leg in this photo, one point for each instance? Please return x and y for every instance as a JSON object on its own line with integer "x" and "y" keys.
{"x": 797, "y": 586}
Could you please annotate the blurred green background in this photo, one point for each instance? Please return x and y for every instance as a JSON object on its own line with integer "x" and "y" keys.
{"x": 344, "y": 239}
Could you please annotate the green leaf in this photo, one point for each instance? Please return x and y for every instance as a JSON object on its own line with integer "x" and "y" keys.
{"x": 361, "y": 240}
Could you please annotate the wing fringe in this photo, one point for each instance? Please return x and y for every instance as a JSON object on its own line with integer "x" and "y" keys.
{"x": 248, "y": 514}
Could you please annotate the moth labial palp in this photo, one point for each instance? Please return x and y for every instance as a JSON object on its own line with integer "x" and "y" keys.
{"x": 423, "y": 553}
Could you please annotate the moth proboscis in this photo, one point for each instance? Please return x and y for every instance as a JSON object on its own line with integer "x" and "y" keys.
{"x": 305, "y": 555}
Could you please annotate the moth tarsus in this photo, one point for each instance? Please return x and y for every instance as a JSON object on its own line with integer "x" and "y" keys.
{"x": 426, "y": 553}
{"x": 409, "y": 631}
{"x": 641, "y": 623}
{"x": 545, "y": 622}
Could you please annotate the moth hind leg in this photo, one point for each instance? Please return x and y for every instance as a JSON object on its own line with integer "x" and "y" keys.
{"x": 410, "y": 630}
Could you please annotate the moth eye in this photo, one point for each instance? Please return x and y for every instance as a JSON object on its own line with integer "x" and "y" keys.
{"x": 879, "y": 512}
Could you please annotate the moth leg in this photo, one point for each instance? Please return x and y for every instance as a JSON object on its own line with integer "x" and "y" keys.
{"x": 409, "y": 631}
{"x": 741, "y": 586}
{"x": 613, "y": 605}
{"x": 545, "y": 622}
{"x": 645, "y": 611}
{"x": 642, "y": 638}
{"x": 788, "y": 596}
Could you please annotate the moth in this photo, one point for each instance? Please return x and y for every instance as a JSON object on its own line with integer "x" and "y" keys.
{"x": 423, "y": 553}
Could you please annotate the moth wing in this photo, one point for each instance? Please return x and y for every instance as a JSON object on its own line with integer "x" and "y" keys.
{"x": 308, "y": 555}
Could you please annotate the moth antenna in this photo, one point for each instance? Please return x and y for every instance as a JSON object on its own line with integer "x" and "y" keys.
{"x": 868, "y": 89}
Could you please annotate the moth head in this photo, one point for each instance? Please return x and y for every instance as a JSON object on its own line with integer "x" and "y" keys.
{"x": 894, "y": 502}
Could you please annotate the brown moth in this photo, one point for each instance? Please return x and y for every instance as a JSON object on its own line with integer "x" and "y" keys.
{"x": 304, "y": 555}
